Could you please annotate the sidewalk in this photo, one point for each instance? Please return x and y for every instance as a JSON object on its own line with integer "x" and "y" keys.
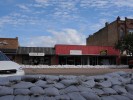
{"x": 73, "y": 71}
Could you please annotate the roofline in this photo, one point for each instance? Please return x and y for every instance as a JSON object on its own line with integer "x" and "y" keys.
{"x": 34, "y": 47}
{"x": 81, "y": 45}
{"x": 9, "y": 38}
{"x": 69, "y": 45}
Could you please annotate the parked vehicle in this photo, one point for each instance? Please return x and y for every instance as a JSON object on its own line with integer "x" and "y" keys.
{"x": 130, "y": 63}
{"x": 8, "y": 67}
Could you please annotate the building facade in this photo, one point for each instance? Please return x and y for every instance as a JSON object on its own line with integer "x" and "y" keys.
{"x": 35, "y": 55}
{"x": 99, "y": 48}
{"x": 111, "y": 33}
{"x": 9, "y": 46}
{"x": 59, "y": 54}
{"x": 86, "y": 55}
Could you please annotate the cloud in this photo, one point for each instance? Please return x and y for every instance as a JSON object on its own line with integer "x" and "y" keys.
{"x": 108, "y": 14}
{"x": 16, "y": 19}
{"x": 40, "y": 41}
{"x": 66, "y": 36}
{"x": 41, "y": 1}
{"x": 88, "y": 3}
{"x": 94, "y": 3}
{"x": 70, "y": 9}
{"x": 129, "y": 17}
{"x": 23, "y": 7}
{"x": 66, "y": 10}
{"x": 61, "y": 9}
{"x": 123, "y": 3}
{"x": 4, "y": 20}
{"x": 106, "y": 3}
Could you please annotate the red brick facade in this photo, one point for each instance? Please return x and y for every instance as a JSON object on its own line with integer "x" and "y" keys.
{"x": 9, "y": 43}
{"x": 111, "y": 33}
{"x": 86, "y": 50}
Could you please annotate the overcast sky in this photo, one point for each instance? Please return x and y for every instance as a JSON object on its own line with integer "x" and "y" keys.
{"x": 50, "y": 22}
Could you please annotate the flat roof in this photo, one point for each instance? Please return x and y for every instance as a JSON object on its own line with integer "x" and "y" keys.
{"x": 27, "y": 50}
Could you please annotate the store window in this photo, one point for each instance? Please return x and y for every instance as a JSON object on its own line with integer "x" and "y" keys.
{"x": 62, "y": 60}
{"x": 121, "y": 33}
{"x": 72, "y": 60}
{"x": 93, "y": 60}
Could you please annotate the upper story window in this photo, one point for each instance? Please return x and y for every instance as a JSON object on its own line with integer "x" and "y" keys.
{"x": 121, "y": 33}
{"x": 130, "y": 31}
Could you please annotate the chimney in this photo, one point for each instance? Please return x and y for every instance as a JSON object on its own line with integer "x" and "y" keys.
{"x": 125, "y": 18}
{"x": 118, "y": 18}
{"x": 106, "y": 24}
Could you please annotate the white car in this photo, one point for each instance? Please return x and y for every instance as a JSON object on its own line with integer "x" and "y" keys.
{"x": 8, "y": 67}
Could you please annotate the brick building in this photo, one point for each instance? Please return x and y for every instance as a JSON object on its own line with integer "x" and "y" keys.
{"x": 86, "y": 55}
{"x": 99, "y": 48}
{"x": 9, "y": 46}
{"x": 59, "y": 54}
{"x": 111, "y": 33}
{"x": 27, "y": 55}
{"x": 35, "y": 55}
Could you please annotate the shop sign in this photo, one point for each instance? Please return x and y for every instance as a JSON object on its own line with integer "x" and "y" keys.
{"x": 3, "y": 43}
{"x": 36, "y": 54}
{"x": 75, "y": 52}
{"x": 103, "y": 52}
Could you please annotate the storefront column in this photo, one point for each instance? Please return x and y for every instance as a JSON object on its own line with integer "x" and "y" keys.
{"x": 127, "y": 60}
{"x": 88, "y": 61}
{"x": 66, "y": 60}
{"x": 97, "y": 60}
{"x": 56, "y": 60}
{"x": 74, "y": 60}
{"x": 81, "y": 60}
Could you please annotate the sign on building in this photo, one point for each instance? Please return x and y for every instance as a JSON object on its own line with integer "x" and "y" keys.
{"x": 75, "y": 52}
{"x": 103, "y": 52}
{"x": 3, "y": 43}
{"x": 36, "y": 54}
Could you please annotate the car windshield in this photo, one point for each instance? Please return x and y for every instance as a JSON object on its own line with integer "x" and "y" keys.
{"x": 3, "y": 57}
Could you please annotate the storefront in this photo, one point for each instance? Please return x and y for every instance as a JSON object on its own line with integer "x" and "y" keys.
{"x": 72, "y": 60}
{"x": 35, "y": 55}
{"x": 61, "y": 54}
{"x": 102, "y": 60}
{"x": 86, "y": 55}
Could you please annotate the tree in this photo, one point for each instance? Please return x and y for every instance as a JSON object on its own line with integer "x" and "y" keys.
{"x": 125, "y": 44}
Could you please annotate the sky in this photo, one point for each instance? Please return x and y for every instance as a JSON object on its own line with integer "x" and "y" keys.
{"x": 39, "y": 23}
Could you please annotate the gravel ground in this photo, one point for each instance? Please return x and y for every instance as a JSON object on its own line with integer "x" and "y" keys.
{"x": 73, "y": 71}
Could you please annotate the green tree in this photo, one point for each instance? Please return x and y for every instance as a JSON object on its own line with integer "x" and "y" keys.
{"x": 125, "y": 44}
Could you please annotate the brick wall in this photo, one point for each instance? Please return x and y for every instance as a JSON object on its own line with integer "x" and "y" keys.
{"x": 9, "y": 43}
{"x": 112, "y": 33}
{"x": 99, "y": 38}
{"x": 128, "y": 24}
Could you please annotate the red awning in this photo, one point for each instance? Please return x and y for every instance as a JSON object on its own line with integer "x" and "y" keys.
{"x": 84, "y": 50}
